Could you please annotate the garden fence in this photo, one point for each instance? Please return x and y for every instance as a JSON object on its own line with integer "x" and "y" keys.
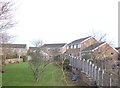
{"x": 101, "y": 77}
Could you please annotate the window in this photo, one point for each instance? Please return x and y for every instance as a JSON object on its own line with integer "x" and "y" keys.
{"x": 73, "y": 47}
{"x": 59, "y": 49}
{"x": 79, "y": 45}
{"x": 69, "y": 46}
{"x": 48, "y": 49}
{"x": 112, "y": 53}
{"x": 76, "y": 45}
{"x": 54, "y": 49}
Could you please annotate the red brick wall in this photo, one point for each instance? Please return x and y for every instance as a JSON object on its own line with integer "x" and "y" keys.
{"x": 88, "y": 43}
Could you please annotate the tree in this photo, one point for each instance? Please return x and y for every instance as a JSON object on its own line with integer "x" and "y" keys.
{"x": 6, "y": 22}
{"x": 37, "y": 63}
{"x": 6, "y": 15}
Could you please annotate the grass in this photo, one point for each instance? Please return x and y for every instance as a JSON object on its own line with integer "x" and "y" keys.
{"x": 21, "y": 75}
{"x": 17, "y": 75}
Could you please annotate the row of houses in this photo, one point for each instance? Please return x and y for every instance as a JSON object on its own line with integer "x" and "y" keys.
{"x": 87, "y": 48}
{"x": 13, "y": 49}
{"x": 79, "y": 47}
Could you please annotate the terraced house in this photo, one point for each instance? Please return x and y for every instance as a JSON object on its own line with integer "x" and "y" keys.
{"x": 11, "y": 50}
{"x": 54, "y": 49}
{"x": 75, "y": 47}
{"x": 104, "y": 55}
{"x": 101, "y": 53}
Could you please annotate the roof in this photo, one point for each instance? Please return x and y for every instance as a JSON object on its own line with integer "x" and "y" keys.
{"x": 79, "y": 40}
{"x": 14, "y": 45}
{"x": 117, "y": 48}
{"x": 54, "y": 45}
{"x": 32, "y": 48}
{"x": 92, "y": 47}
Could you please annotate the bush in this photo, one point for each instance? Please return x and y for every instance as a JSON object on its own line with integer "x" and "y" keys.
{"x": 24, "y": 58}
{"x": 65, "y": 64}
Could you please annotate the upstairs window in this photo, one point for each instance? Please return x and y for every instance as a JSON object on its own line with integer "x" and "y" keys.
{"x": 69, "y": 46}
{"x": 76, "y": 45}
{"x": 48, "y": 49}
{"x": 73, "y": 46}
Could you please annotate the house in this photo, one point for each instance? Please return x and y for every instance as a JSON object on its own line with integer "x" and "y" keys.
{"x": 54, "y": 49}
{"x": 102, "y": 53}
{"x": 75, "y": 47}
{"x": 14, "y": 49}
{"x": 33, "y": 49}
{"x": 118, "y": 48}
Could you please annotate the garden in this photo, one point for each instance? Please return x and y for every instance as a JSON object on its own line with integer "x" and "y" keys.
{"x": 20, "y": 74}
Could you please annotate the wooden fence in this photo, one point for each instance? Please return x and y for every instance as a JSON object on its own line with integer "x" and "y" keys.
{"x": 101, "y": 77}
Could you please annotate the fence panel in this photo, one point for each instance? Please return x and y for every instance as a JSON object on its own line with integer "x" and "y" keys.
{"x": 97, "y": 74}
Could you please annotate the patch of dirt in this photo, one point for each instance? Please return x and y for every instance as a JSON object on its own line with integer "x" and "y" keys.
{"x": 78, "y": 82}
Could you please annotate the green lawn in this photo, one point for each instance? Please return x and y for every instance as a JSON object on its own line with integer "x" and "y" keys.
{"x": 20, "y": 75}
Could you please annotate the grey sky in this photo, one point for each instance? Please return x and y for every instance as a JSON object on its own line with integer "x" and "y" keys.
{"x": 56, "y": 21}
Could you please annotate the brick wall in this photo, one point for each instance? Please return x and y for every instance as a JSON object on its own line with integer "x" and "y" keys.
{"x": 106, "y": 53}
{"x": 88, "y": 42}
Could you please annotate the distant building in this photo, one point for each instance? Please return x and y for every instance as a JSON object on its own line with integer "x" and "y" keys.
{"x": 54, "y": 49}
{"x": 32, "y": 49}
{"x": 18, "y": 49}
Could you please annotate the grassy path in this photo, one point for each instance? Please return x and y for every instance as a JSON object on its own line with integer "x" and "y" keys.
{"x": 21, "y": 75}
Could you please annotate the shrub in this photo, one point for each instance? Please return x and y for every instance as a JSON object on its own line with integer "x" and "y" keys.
{"x": 24, "y": 58}
{"x": 65, "y": 64}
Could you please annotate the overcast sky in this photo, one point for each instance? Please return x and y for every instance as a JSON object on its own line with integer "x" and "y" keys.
{"x": 62, "y": 21}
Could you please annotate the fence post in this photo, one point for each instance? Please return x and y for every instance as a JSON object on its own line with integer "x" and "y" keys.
{"x": 102, "y": 77}
{"x": 98, "y": 76}
{"x": 83, "y": 65}
{"x": 92, "y": 71}
{"x": 87, "y": 67}
{"x": 90, "y": 68}
{"x": 72, "y": 61}
{"x": 95, "y": 73}
{"x": 80, "y": 64}
{"x": 110, "y": 80}
{"x": 75, "y": 62}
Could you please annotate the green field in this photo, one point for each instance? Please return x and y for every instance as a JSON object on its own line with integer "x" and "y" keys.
{"x": 21, "y": 75}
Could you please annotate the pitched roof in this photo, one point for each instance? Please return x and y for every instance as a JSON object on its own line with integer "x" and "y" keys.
{"x": 79, "y": 40}
{"x": 92, "y": 47}
{"x": 14, "y": 45}
{"x": 33, "y": 48}
{"x": 54, "y": 45}
{"x": 117, "y": 48}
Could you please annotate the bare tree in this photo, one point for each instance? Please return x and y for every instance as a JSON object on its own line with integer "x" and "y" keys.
{"x": 101, "y": 37}
{"x": 6, "y": 22}
{"x": 37, "y": 63}
{"x": 6, "y": 15}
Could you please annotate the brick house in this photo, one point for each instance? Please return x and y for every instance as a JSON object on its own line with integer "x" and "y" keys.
{"x": 18, "y": 49}
{"x": 118, "y": 48}
{"x": 33, "y": 49}
{"x": 75, "y": 47}
{"x": 54, "y": 49}
{"x": 103, "y": 53}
